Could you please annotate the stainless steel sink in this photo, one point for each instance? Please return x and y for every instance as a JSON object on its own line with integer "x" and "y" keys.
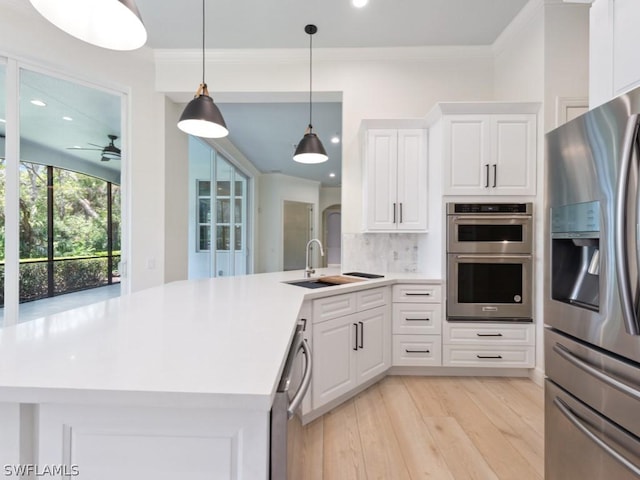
{"x": 328, "y": 281}
{"x": 311, "y": 283}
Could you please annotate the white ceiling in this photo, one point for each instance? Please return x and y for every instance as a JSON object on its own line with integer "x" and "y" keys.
{"x": 267, "y": 24}
{"x": 280, "y": 23}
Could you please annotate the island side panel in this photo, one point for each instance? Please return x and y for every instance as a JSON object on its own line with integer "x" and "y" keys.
{"x": 9, "y": 434}
{"x": 101, "y": 443}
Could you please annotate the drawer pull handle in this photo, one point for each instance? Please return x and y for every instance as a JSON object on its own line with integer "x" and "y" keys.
{"x": 489, "y": 357}
{"x": 417, "y": 319}
{"x": 489, "y": 334}
{"x": 416, "y": 351}
{"x": 355, "y": 347}
{"x": 418, "y": 294}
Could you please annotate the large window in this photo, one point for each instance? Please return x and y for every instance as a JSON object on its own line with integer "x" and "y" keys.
{"x": 219, "y": 225}
{"x": 59, "y": 191}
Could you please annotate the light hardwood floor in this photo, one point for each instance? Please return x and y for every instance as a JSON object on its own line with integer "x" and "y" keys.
{"x": 428, "y": 428}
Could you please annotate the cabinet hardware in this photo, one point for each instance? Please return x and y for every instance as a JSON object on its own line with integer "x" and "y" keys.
{"x": 495, "y": 175}
{"x": 489, "y": 334}
{"x": 486, "y": 185}
{"x": 355, "y": 347}
{"x": 304, "y": 324}
{"x": 361, "y": 334}
{"x": 490, "y": 357}
{"x": 418, "y": 294}
{"x": 394, "y": 213}
{"x": 417, "y": 319}
{"x": 416, "y": 351}
{"x": 400, "y": 212}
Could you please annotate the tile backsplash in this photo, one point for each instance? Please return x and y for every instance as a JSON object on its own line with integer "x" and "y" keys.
{"x": 381, "y": 252}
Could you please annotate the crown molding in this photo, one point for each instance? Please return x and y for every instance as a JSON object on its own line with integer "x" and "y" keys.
{"x": 301, "y": 55}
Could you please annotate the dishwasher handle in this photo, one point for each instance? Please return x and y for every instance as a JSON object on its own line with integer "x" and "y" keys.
{"x": 306, "y": 380}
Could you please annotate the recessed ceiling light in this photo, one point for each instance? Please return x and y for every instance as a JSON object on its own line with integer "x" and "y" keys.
{"x": 68, "y": 119}
{"x": 335, "y": 139}
{"x": 38, "y": 103}
{"x": 2, "y": 120}
{"x": 359, "y": 3}
{"x": 332, "y": 175}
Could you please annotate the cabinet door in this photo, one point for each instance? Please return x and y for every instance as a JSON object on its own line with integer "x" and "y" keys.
{"x": 513, "y": 163}
{"x": 412, "y": 180}
{"x": 626, "y": 35}
{"x": 466, "y": 154}
{"x": 334, "y": 359}
{"x": 381, "y": 163}
{"x": 374, "y": 343}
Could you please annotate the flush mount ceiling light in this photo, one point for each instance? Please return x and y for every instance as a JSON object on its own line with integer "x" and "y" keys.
{"x": 310, "y": 149}
{"x": 359, "y": 3}
{"x": 201, "y": 117}
{"x": 112, "y": 24}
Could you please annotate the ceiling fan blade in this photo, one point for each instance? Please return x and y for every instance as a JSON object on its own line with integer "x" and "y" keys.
{"x": 83, "y": 148}
{"x": 95, "y": 145}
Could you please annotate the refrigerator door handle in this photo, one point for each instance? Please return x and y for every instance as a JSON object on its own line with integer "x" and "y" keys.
{"x": 575, "y": 421}
{"x": 622, "y": 262}
{"x": 613, "y": 382}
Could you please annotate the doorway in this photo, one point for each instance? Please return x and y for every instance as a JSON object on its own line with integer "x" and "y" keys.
{"x": 297, "y": 231}
{"x": 332, "y": 237}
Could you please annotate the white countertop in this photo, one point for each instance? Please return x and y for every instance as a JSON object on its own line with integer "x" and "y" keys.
{"x": 200, "y": 343}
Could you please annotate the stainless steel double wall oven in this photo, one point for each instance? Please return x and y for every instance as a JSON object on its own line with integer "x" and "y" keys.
{"x": 489, "y": 261}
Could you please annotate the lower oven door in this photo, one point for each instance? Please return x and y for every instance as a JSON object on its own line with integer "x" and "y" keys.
{"x": 489, "y": 287}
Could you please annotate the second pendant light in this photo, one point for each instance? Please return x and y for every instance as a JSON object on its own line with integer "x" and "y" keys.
{"x": 310, "y": 149}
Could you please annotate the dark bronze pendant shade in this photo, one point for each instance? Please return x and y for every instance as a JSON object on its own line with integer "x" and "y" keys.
{"x": 201, "y": 117}
{"x": 310, "y": 149}
{"x": 112, "y": 24}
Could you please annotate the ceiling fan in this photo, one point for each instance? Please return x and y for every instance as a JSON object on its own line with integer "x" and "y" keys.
{"x": 109, "y": 152}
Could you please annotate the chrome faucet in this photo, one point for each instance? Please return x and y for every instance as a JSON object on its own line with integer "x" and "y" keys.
{"x": 309, "y": 271}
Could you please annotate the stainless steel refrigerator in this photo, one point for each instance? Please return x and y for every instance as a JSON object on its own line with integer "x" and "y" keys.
{"x": 592, "y": 298}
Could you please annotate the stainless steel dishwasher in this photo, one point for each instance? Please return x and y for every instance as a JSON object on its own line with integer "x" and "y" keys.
{"x": 294, "y": 383}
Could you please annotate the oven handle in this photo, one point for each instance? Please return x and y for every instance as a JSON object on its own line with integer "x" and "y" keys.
{"x": 575, "y": 421}
{"x": 306, "y": 380}
{"x": 492, "y": 217}
{"x": 493, "y": 257}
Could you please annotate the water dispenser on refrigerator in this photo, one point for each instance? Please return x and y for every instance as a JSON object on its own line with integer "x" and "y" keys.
{"x": 575, "y": 254}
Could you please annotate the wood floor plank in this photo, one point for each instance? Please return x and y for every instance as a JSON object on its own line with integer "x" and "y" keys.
{"x": 529, "y": 409}
{"x": 462, "y": 457}
{"x": 497, "y": 451}
{"x": 527, "y": 441}
{"x": 307, "y": 455}
{"x": 382, "y": 456}
{"x": 419, "y": 450}
{"x": 426, "y": 398}
{"x": 534, "y": 392}
{"x": 342, "y": 458}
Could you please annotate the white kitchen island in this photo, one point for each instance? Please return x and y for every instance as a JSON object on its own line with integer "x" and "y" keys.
{"x": 176, "y": 381}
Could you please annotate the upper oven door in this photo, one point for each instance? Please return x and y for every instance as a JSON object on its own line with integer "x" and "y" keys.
{"x": 485, "y": 287}
{"x": 494, "y": 233}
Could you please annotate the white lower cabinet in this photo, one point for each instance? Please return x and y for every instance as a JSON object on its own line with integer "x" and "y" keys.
{"x": 351, "y": 349}
{"x": 417, "y": 325}
{"x": 506, "y": 345}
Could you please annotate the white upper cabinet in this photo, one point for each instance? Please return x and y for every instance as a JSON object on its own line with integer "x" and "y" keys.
{"x": 395, "y": 164}
{"x": 487, "y": 153}
{"x": 613, "y": 49}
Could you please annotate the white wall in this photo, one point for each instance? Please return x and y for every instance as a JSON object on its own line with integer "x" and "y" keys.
{"x": 275, "y": 188}
{"x": 28, "y": 37}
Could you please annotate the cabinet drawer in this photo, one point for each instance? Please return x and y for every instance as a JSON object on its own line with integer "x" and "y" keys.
{"x": 417, "y": 350}
{"x": 417, "y": 318}
{"x": 503, "y": 334}
{"x": 417, "y": 293}
{"x": 505, "y": 356}
{"x": 375, "y": 297}
{"x": 334, "y": 307}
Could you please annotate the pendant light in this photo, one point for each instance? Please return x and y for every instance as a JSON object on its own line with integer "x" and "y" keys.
{"x": 201, "y": 117}
{"x": 310, "y": 149}
{"x": 112, "y": 24}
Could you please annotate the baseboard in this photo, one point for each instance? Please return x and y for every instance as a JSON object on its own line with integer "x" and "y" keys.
{"x": 537, "y": 376}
